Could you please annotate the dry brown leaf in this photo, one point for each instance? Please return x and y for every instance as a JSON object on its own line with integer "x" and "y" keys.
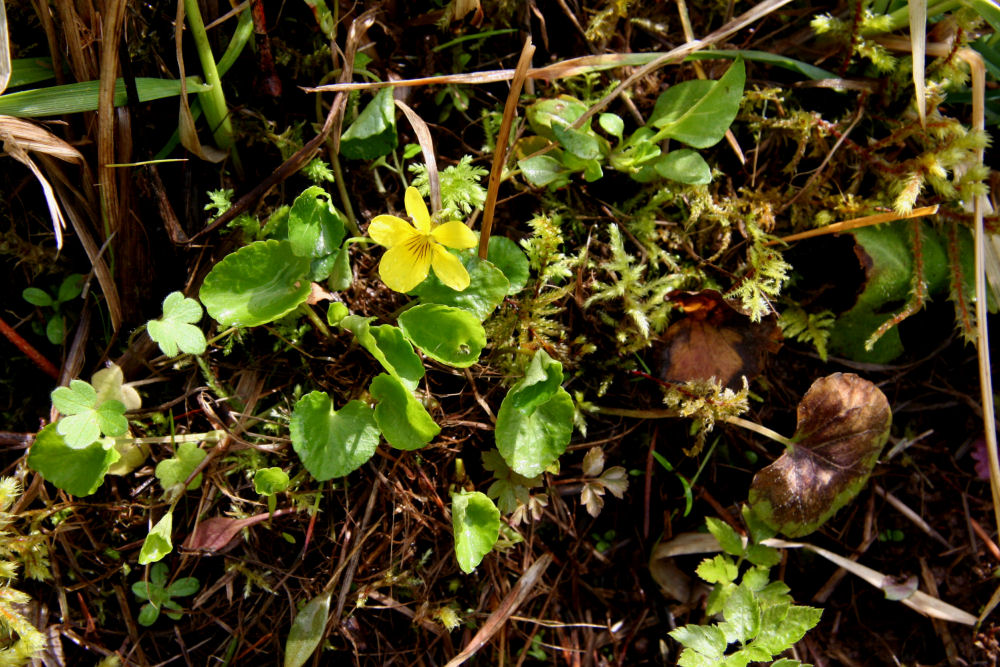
{"x": 715, "y": 340}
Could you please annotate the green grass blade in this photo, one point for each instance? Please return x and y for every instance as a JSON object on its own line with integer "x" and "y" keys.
{"x": 26, "y": 71}
{"x": 78, "y": 97}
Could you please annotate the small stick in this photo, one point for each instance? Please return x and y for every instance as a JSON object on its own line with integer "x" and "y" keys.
{"x": 855, "y": 223}
{"x": 500, "y": 151}
{"x": 29, "y": 350}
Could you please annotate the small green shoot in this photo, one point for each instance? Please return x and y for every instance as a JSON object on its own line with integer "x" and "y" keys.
{"x": 176, "y": 331}
{"x": 158, "y": 595}
{"x": 86, "y": 419}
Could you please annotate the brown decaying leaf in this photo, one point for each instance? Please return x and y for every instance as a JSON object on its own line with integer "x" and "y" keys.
{"x": 213, "y": 535}
{"x": 843, "y": 423}
{"x": 715, "y": 340}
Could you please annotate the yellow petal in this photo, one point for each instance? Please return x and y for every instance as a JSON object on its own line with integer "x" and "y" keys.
{"x": 389, "y": 231}
{"x": 455, "y": 235}
{"x": 417, "y": 209}
{"x": 402, "y": 269}
{"x": 449, "y": 269}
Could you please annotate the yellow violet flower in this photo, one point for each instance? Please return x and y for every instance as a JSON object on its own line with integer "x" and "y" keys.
{"x": 413, "y": 249}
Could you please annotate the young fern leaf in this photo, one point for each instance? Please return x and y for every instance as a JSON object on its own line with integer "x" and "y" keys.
{"x": 805, "y": 327}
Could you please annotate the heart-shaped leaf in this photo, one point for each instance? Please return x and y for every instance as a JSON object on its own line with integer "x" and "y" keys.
{"x": 109, "y": 383}
{"x": 506, "y": 256}
{"x": 450, "y": 335}
{"x": 173, "y": 471}
{"x": 373, "y": 133}
{"x": 402, "y": 419}
{"x": 76, "y": 471}
{"x": 315, "y": 226}
{"x": 175, "y": 330}
{"x": 257, "y": 284}
{"x": 476, "y": 524}
{"x": 389, "y": 347}
{"x": 487, "y": 288}
{"x": 332, "y": 443}
{"x": 535, "y": 421}
{"x": 843, "y": 423}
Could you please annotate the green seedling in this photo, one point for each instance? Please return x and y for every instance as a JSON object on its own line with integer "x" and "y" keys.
{"x": 55, "y": 323}
{"x": 269, "y": 482}
{"x": 86, "y": 417}
{"x": 158, "y": 595}
{"x": 176, "y": 331}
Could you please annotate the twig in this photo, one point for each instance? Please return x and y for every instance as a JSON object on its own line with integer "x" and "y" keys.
{"x": 856, "y": 223}
{"x": 29, "y": 350}
{"x": 500, "y": 150}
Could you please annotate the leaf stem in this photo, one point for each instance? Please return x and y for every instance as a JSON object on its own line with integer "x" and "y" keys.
{"x": 214, "y": 101}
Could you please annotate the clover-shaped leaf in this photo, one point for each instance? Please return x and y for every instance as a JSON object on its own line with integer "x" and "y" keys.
{"x": 843, "y": 423}
{"x": 85, "y": 417}
{"x": 173, "y": 471}
{"x": 176, "y": 329}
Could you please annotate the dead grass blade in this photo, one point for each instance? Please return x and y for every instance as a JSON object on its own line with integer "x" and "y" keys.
{"x": 500, "y": 149}
{"x": 505, "y": 610}
{"x": 4, "y": 48}
{"x": 918, "y": 48}
{"x": 107, "y": 177}
{"x": 427, "y": 149}
{"x": 928, "y": 605}
{"x": 19, "y": 137}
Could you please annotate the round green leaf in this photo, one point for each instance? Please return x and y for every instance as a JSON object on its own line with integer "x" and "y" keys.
{"x": 450, "y": 335}
{"x": 487, "y": 288}
{"x": 543, "y": 170}
{"x": 684, "y": 166}
{"x": 475, "y": 521}
{"x": 535, "y": 420}
{"x": 315, "y": 226}
{"x": 332, "y": 443}
{"x": 255, "y": 285}
{"x": 612, "y": 124}
{"x": 148, "y": 614}
{"x": 509, "y": 258}
{"x": 55, "y": 329}
{"x": 268, "y": 481}
{"x": 76, "y": 471}
{"x": 402, "y": 419}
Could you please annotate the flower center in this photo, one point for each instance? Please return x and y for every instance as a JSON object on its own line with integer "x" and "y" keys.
{"x": 419, "y": 245}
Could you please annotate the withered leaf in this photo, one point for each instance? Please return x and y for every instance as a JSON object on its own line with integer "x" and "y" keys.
{"x": 215, "y": 534}
{"x": 843, "y": 423}
{"x": 714, "y": 339}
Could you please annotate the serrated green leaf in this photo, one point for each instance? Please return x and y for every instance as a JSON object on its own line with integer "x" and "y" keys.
{"x": 756, "y": 578}
{"x": 257, "y": 284}
{"x": 718, "y": 569}
{"x": 780, "y": 636}
{"x": 708, "y": 640}
{"x": 79, "y": 472}
{"x": 332, "y": 443}
{"x": 476, "y": 524}
{"x": 402, "y": 419}
{"x": 307, "y": 631}
{"x": 158, "y": 544}
{"x": 450, "y": 335}
{"x": 728, "y": 538}
{"x": 763, "y": 556}
{"x": 173, "y": 471}
{"x": 742, "y": 611}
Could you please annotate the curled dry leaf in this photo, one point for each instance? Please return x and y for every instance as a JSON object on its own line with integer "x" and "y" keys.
{"x": 714, "y": 339}
{"x": 843, "y": 423}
